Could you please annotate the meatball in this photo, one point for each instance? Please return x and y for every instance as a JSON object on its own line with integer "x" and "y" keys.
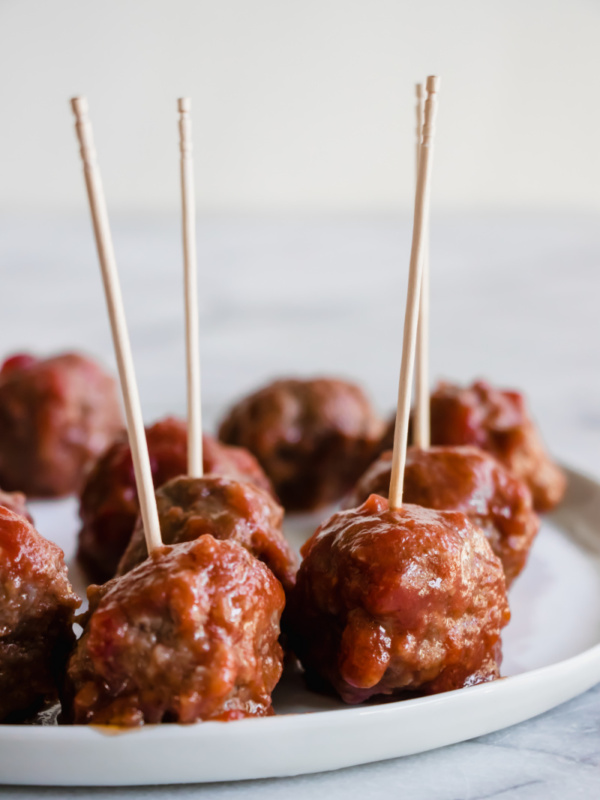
{"x": 109, "y": 503}
{"x": 313, "y": 438}
{"x": 225, "y": 508}
{"x": 56, "y": 416}
{"x": 387, "y": 440}
{"x": 36, "y": 612}
{"x": 190, "y": 634}
{"x": 469, "y": 480}
{"x": 15, "y": 501}
{"x": 385, "y": 602}
{"x": 498, "y": 421}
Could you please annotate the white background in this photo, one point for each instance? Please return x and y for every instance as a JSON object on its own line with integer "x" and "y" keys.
{"x": 302, "y": 105}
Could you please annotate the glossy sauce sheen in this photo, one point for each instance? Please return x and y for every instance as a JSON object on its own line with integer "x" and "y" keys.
{"x": 313, "y": 438}
{"x": 497, "y": 421}
{"x": 398, "y": 601}
{"x": 225, "y": 508}
{"x": 56, "y": 416}
{"x": 469, "y": 480}
{"x": 109, "y": 503}
{"x": 190, "y": 634}
{"x": 36, "y": 615}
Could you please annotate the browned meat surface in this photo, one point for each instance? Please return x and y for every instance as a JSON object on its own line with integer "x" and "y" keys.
{"x": 36, "y": 611}
{"x": 498, "y": 421}
{"x": 225, "y": 508}
{"x": 56, "y": 416}
{"x": 17, "y": 502}
{"x": 109, "y": 503}
{"x": 190, "y": 634}
{"x": 313, "y": 438}
{"x": 398, "y": 601}
{"x": 469, "y": 480}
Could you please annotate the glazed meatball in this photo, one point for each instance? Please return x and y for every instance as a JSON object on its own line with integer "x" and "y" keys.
{"x": 225, "y": 508}
{"x": 109, "y": 503}
{"x": 388, "y": 602}
{"x": 387, "y": 440}
{"x": 36, "y": 614}
{"x": 56, "y": 416}
{"x": 190, "y": 634}
{"x": 313, "y": 438}
{"x": 498, "y": 421}
{"x": 469, "y": 480}
{"x": 15, "y": 501}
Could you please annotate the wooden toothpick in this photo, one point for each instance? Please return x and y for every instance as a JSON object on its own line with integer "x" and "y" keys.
{"x": 420, "y": 223}
{"x": 192, "y": 334}
{"x": 116, "y": 313}
{"x": 422, "y": 426}
{"x": 419, "y": 111}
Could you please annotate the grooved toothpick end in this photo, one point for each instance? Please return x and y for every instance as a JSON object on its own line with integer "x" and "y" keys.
{"x": 433, "y": 84}
{"x": 79, "y": 105}
{"x": 419, "y": 90}
{"x": 184, "y": 104}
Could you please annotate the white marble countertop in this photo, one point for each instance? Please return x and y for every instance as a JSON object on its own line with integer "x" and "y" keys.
{"x": 514, "y": 298}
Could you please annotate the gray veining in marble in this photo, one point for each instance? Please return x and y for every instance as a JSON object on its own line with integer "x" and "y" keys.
{"x": 514, "y": 298}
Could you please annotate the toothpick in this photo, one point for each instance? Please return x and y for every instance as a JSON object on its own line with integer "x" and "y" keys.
{"x": 192, "y": 335}
{"x": 116, "y": 313}
{"x": 420, "y": 222}
{"x": 422, "y": 425}
{"x": 419, "y": 112}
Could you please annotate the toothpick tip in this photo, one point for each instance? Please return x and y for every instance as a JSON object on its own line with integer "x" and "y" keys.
{"x": 184, "y": 104}
{"x": 419, "y": 90}
{"x": 79, "y": 105}
{"x": 433, "y": 84}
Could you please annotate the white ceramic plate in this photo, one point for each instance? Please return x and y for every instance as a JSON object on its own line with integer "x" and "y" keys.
{"x": 552, "y": 653}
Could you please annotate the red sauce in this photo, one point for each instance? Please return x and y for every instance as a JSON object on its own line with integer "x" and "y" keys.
{"x": 36, "y": 613}
{"x": 225, "y": 508}
{"x": 109, "y": 503}
{"x": 19, "y": 361}
{"x": 313, "y": 438}
{"x": 469, "y": 480}
{"x": 498, "y": 422}
{"x": 190, "y": 634}
{"x": 56, "y": 416}
{"x": 395, "y": 601}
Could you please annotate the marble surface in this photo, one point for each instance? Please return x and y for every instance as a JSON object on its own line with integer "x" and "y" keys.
{"x": 514, "y": 299}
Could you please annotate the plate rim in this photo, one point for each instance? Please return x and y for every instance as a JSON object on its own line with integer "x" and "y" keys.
{"x": 343, "y": 724}
{"x": 306, "y": 718}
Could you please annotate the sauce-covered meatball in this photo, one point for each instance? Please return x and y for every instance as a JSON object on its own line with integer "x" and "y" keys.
{"x": 313, "y": 438}
{"x": 387, "y": 440}
{"x": 17, "y": 502}
{"x": 385, "y": 601}
{"x": 109, "y": 503}
{"x": 225, "y": 508}
{"x": 498, "y": 421}
{"x": 56, "y": 416}
{"x": 469, "y": 480}
{"x": 190, "y": 634}
{"x": 36, "y": 614}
